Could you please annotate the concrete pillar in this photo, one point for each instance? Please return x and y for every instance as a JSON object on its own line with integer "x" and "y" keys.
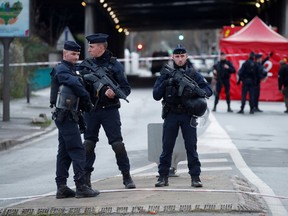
{"x": 89, "y": 22}
{"x": 285, "y": 18}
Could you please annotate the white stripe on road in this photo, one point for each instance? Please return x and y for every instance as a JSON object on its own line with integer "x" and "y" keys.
{"x": 224, "y": 142}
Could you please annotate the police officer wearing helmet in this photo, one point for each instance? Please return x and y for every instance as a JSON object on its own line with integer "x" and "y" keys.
{"x": 69, "y": 96}
{"x": 178, "y": 114}
{"x": 106, "y": 113}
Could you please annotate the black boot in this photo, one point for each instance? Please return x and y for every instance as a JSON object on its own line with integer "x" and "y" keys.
{"x": 127, "y": 181}
{"x": 88, "y": 179}
{"x": 241, "y": 111}
{"x": 64, "y": 191}
{"x": 83, "y": 191}
{"x": 196, "y": 182}
{"x": 214, "y": 108}
{"x": 172, "y": 172}
{"x": 229, "y": 108}
{"x": 162, "y": 181}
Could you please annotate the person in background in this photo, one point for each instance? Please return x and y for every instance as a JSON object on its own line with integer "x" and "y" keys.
{"x": 176, "y": 113}
{"x": 222, "y": 71}
{"x": 248, "y": 74}
{"x": 262, "y": 75}
{"x": 106, "y": 112}
{"x": 71, "y": 98}
{"x": 283, "y": 81}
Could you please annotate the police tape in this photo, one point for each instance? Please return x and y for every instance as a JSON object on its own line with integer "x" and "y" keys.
{"x": 53, "y": 63}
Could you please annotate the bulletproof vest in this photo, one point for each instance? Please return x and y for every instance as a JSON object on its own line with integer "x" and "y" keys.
{"x": 66, "y": 99}
{"x": 54, "y": 89}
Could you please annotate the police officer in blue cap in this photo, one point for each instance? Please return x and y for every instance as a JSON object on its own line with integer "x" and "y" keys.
{"x": 106, "y": 112}
{"x": 177, "y": 114}
{"x": 70, "y": 97}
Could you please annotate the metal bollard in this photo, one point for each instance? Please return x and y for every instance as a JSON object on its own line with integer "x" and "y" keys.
{"x": 28, "y": 90}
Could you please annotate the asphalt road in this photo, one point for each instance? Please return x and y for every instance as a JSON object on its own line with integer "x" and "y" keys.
{"x": 260, "y": 139}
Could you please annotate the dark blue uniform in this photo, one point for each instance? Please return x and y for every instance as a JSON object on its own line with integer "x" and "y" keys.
{"x": 70, "y": 149}
{"x": 223, "y": 78}
{"x": 262, "y": 74}
{"x": 283, "y": 82}
{"x": 176, "y": 117}
{"x": 106, "y": 114}
{"x": 248, "y": 74}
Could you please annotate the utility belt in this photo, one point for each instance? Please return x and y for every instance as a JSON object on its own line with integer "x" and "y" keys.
{"x": 107, "y": 106}
{"x": 62, "y": 114}
{"x": 178, "y": 109}
{"x": 166, "y": 108}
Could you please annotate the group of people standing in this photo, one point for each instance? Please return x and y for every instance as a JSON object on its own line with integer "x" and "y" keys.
{"x": 251, "y": 73}
{"x": 84, "y": 104}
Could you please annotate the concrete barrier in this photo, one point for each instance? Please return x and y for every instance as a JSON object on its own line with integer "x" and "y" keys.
{"x": 179, "y": 153}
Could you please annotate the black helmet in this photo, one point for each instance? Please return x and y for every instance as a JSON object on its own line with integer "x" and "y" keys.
{"x": 195, "y": 106}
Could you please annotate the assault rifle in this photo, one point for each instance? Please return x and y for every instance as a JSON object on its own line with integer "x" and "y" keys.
{"x": 100, "y": 78}
{"x": 183, "y": 81}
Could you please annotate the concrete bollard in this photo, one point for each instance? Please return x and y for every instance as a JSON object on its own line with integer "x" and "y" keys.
{"x": 179, "y": 152}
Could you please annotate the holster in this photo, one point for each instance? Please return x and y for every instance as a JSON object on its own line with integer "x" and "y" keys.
{"x": 59, "y": 115}
{"x": 165, "y": 110}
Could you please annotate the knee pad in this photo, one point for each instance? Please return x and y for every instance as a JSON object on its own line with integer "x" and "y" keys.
{"x": 118, "y": 148}
{"x": 89, "y": 146}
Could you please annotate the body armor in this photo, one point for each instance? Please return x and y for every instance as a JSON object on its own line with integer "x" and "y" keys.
{"x": 66, "y": 99}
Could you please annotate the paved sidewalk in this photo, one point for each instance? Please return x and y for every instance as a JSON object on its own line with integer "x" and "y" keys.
{"x": 228, "y": 194}
{"x": 20, "y": 127}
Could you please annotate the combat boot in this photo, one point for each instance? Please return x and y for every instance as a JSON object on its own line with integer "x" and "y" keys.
{"x": 162, "y": 181}
{"x": 127, "y": 181}
{"x": 241, "y": 111}
{"x": 83, "y": 191}
{"x": 172, "y": 172}
{"x": 196, "y": 182}
{"x": 88, "y": 179}
{"x": 64, "y": 191}
{"x": 229, "y": 108}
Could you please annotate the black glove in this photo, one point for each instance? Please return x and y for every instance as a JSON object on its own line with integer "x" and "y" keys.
{"x": 82, "y": 124}
{"x": 171, "y": 82}
{"x": 238, "y": 82}
{"x": 88, "y": 106}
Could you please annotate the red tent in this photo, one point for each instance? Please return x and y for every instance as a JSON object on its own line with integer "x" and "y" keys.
{"x": 256, "y": 36}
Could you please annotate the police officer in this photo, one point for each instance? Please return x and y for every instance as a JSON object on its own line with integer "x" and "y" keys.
{"x": 106, "y": 112}
{"x": 283, "y": 81}
{"x": 176, "y": 114}
{"x": 222, "y": 71}
{"x": 262, "y": 75}
{"x": 248, "y": 74}
{"x": 71, "y": 96}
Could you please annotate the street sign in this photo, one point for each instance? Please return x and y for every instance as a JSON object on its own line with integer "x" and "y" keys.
{"x": 65, "y": 36}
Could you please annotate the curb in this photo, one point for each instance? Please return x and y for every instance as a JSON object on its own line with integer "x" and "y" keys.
{"x": 9, "y": 143}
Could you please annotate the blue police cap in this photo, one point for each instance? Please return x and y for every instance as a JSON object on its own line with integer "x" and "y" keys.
{"x": 179, "y": 49}
{"x": 72, "y": 46}
{"x": 97, "y": 38}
